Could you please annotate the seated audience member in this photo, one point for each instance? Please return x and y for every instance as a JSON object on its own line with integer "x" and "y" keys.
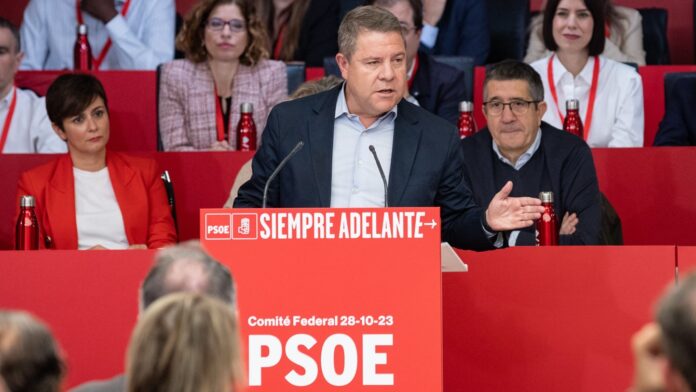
{"x": 29, "y": 356}
{"x": 123, "y": 34}
{"x": 665, "y": 351}
{"x": 301, "y": 30}
{"x": 678, "y": 126}
{"x": 623, "y": 33}
{"x": 610, "y": 93}
{"x": 185, "y": 267}
{"x": 419, "y": 151}
{"x": 517, "y": 146}
{"x": 226, "y": 65}
{"x": 456, "y": 28}
{"x": 24, "y": 124}
{"x": 433, "y": 86}
{"x": 185, "y": 342}
{"x": 91, "y": 198}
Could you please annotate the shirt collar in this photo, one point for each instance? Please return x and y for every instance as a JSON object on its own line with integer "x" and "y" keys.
{"x": 342, "y": 107}
{"x": 559, "y": 71}
{"x": 5, "y": 101}
{"x": 525, "y": 157}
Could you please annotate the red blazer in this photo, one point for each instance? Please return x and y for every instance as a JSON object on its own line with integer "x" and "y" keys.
{"x": 139, "y": 192}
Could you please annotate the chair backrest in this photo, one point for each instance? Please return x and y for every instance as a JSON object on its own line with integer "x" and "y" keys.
{"x": 464, "y": 64}
{"x": 508, "y": 23}
{"x": 655, "y": 42}
{"x": 331, "y": 67}
{"x": 296, "y": 75}
{"x": 674, "y": 78}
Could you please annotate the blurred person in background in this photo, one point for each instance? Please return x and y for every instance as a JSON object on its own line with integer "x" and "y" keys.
{"x": 185, "y": 342}
{"x": 91, "y": 198}
{"x": 226, "y": 64}
{"x": 623, "y": 32}
{"x": 123, "y": 34}
{"x": 610, "y": 93}
{"x": 30, "y": 359}
{"x": 24, "y": 124}
{"x": 301, "y": 30}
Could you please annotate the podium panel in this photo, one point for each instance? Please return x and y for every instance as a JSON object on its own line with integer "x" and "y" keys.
{"x": 335, "y": 299}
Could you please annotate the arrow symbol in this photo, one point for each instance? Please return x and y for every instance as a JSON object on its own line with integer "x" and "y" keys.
{"x": 432, "y": 224}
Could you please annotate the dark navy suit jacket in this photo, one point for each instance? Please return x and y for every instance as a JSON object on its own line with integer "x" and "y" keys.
{"x": 678, "y": 126}
{"x": 569, "y": 166}
{"x": 426, "y": 165}
{"x": 463, "y": 30}
{"x": 439, "y": 87}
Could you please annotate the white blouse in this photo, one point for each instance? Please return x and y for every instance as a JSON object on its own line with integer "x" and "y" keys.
{"x": 617, "y": 120}
{"x": 99, "y": 218}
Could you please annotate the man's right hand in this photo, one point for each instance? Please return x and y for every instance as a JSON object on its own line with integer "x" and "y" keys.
{"x": 569, "y": 223}
{"x": 507, "y": 213}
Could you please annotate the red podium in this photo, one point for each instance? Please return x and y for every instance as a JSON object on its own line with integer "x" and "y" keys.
{"x": 335, "y": 299}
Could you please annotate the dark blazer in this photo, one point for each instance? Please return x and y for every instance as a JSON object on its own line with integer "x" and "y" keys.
{"x": 439, "y": 87}
{"x": 678, "y": 126}
{"x": 569, "y": 164}
{"x": 463, "y": 30}
{"x": 139, "y": 192}
{"x": 426, "y": 165}
{"x": 319, "y": 33}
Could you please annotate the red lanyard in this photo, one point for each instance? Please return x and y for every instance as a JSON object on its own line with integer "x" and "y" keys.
{"x": 593, "y": 94}
{"x": 279, "y": 42}
{"x": 8, "y": 120}
{"x": 219, "y": 123}
{"x": 97, "y": 62}
{"x": 413, "y": 74}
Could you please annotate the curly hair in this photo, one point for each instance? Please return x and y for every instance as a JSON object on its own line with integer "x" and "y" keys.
{"x": 190, "y": 38}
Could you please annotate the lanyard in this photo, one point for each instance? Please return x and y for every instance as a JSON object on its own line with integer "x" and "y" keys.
{"x": 219, "y": 123}
{"x": 8, "y": 120}
{"x": 97, "y": 62}
{"x": 279, "y": 42}
{"x": 593, "y": 94}
{"x": 413, "y": 74}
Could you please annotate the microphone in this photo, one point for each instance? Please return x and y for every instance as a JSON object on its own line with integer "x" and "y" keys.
{"x": 273, "y": 175}
{"x": 381, "y": 173}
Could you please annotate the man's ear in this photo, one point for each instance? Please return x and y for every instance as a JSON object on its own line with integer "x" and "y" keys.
{"x": 342, "y": 62}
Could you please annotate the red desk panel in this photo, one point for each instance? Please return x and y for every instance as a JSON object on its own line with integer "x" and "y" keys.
{"x": 201, "y": 180}
{"x": 686, "y": 259}
{"x": 132, "y": 97}
{"x": 549, "y": 319}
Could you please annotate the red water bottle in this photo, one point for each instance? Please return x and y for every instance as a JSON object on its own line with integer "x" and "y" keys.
{"x": 82, "y": 52}
{"x": 246, "y": 129}
{"x": 27, "y": 234}
{"x": 573, "y": 122}
{"x": 467, "y": 124}
{"x": 547, "y": 232}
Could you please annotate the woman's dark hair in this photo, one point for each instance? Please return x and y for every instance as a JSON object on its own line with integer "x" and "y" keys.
{"x": 70, "y": 94}
{"x": 191, "y": 37}
{"x": 596, "y": 9}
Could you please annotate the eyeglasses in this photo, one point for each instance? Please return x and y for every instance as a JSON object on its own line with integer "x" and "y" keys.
{"x": 517, "y": 106}
{"x": 405, "y": 29}
{"x": 217, "y": 24}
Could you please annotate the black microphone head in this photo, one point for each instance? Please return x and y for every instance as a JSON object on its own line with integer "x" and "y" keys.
{"x": 372, "y": 148}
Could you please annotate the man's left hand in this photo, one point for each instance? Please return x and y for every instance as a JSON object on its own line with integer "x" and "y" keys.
{"x": 507, "y": 213}
{"x": 104, "y": 10}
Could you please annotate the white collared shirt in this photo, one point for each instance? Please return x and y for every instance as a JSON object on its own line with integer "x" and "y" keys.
{"x": 142, "y": 40}
{"x": 618, "y": 119}
{"x": 521, "y": 161}
{"x": 30, "y": 130}
{"x": 355, "y": 178}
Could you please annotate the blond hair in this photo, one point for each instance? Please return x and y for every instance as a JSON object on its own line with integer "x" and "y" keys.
{"x": 185, "y": 342}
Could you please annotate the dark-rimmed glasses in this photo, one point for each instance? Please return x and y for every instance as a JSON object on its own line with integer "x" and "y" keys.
{"x": 517, "y": 106}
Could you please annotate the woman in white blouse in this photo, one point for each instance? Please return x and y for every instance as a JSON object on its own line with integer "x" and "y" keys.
{"x": 610, "y": 93}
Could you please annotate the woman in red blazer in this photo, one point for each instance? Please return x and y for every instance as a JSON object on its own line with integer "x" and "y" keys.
{"x": 91, "y": 198}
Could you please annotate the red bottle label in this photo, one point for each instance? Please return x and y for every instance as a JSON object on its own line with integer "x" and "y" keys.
{"x": 246, "y": 133}
{"x": 467, "y": 125}
{"x": 547, "y": 232}
{"x": 573, "y": 123}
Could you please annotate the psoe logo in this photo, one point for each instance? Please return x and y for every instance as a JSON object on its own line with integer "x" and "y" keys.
{"x": 218, "y": 226}
{"x": 245, "y": 226}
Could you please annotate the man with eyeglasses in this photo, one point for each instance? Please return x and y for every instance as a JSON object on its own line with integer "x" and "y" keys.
{"x": 517, "y": 146}
{"x": 433, "y": 86}
{"x": 123, "y": 34}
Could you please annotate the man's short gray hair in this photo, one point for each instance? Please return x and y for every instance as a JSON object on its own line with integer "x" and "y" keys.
{"x": 365, "y": 18}
{"x": 219, "y": 282}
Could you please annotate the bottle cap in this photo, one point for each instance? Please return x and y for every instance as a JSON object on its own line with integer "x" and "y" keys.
{"x": 466, "y": 106}
{"x": 247, "y": 107}
{"x": 572, "y": 104}
{"x": 82, "y": 29}
{"x": 27, "y": 201}
{"x": 546, "y": 197}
